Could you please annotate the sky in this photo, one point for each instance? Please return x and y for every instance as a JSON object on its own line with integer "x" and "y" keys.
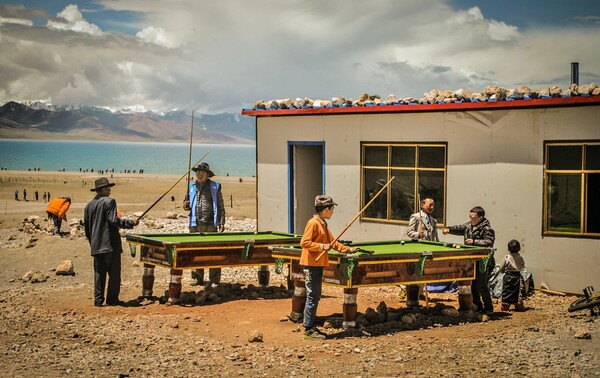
{"x": 222, "y": 56}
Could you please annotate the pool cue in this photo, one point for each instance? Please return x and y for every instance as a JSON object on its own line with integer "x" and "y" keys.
{"x": 165, "y": 193}
{"x": 189, "y": 158}
{"x": 356, "y": 217}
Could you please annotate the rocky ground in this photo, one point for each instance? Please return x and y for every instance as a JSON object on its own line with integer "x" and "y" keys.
{"x": 49, "y": 326}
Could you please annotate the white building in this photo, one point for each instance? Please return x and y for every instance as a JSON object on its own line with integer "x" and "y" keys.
{"x": 533, "y": 165}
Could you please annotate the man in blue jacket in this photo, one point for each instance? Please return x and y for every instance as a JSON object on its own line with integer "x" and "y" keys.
{"x": 102, "y": 231}
{"x": 207, "y": 213}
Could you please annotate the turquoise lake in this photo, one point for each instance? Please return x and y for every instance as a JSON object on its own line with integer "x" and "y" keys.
{"x": 161, "y": 158}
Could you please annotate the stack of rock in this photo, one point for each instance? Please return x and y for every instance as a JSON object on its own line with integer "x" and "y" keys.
{"x": 488, "y": 94}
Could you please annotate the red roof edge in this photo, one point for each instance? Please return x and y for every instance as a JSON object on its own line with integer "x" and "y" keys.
{"x": 506, "y": 104}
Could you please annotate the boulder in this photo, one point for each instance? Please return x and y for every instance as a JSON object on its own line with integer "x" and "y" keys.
{"x": 34, "y": 276}
{"x": 65, "y": 268}
{"x": 255, "y": 337}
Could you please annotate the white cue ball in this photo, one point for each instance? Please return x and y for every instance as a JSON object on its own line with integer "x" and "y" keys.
{"x": 402, "y": 242}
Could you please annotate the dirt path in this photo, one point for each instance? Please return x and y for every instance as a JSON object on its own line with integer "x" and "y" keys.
{"x": 53, "y": 328}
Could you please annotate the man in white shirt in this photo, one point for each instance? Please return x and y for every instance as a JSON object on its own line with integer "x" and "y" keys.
{"x": 422, "y": 225}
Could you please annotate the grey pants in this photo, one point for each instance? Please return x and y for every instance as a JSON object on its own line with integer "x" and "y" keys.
{"x": 214, "y": 274}
{"x": 57, "y": 222}
{"x": 313, "y": 276}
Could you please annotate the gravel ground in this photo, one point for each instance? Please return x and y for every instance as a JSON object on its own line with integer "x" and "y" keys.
{"x": 51, "y": 328}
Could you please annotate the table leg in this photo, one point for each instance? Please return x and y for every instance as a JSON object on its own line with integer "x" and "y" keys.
{"x": 263, "y": 276}
{"x": 350, "y": 307}
{"x": 465, "y": 297}
{"x": 298, "y": 301}
{"x": 147, "y": 281}
{"x": 412, "y": 296}
{"x": 175, "y": 286}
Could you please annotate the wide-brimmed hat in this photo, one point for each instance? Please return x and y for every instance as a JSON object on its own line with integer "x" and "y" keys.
{"x": 324, "y": 201}
{"x": 101, "y": 183}
{"x": 204, "y": 167}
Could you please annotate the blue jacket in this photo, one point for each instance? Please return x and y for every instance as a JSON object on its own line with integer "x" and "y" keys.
{"x": 217, "y": 203}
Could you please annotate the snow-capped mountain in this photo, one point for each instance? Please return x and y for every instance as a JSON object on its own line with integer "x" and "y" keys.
{"x": 42, "y": 120}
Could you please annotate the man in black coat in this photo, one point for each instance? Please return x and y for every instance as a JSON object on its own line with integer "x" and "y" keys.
{"x": 478, "y": 231}
{"x": 102, "y": 231}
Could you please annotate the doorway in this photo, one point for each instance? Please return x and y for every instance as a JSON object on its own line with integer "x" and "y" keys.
{"x": 306, "y": 162}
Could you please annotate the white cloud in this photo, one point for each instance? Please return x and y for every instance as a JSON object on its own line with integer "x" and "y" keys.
{"x": 17, "y": 21}
{"x": 157, "y": 36}
{"x": 499, "y": 31}
{"x": 222, "y": 56}
{"x": 71, "y": 19}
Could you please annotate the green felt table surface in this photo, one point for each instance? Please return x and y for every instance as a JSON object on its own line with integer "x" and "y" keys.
{"x": 396, "y": 247}
{"x": 211, "y": 237}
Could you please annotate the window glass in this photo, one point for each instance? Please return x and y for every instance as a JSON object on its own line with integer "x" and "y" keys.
{"x": 592, "y": 157}
{"x": 404, "y": 156}
{"x": 564, "y": 157}
{"x": 374, "y": 180}
{"x": 402, "y": 198}
{"x": 376, "y": 156}
{"x": 593, "y": 203}
{"x": 431, "y": 184}
{"x": 417, "y": 168}
{"x": 564, "y": 202}
{"x": 432, "y": 157}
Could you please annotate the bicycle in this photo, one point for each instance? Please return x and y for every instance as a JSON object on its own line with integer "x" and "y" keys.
{"x": 589, "y": 300}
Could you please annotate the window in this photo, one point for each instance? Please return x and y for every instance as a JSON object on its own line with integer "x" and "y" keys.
{"x": 419, "y": 171}
{"x": 571, "y": 187}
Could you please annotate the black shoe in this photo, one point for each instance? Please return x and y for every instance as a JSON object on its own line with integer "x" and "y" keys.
{"x": 115, "y": 303}
{"x": 97, "y": 304}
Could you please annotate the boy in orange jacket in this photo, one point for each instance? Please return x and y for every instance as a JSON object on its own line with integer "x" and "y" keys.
{"x": 316, "y": 239}
{"x": 57, "y": 211}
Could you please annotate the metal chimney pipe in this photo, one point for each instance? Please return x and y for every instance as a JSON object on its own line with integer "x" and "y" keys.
{"x": 575, "y": 73}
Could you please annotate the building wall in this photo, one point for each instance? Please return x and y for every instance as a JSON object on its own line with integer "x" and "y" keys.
{"x": 495, "y": 160}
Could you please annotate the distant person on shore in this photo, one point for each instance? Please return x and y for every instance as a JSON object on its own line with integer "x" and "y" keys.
{"x": 204, "y": 201}
{"x": 102, "y": 225}
{"x": 16, "y": 194}
{"x": 24, "y": 194}
{"x": 37, "y": 196}
{"x": 57, "y": 211}
{"x": 44, "y": 196}
{"x": 48, "y": 197}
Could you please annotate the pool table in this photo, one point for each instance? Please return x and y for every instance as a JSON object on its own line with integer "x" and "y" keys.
{"x": 205, "y": 250}
{"x": 396, "y": 262}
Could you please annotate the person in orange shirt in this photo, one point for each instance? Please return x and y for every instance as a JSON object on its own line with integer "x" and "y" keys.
{"x": 316, "y": 239}
{"x": 57, "y": 211}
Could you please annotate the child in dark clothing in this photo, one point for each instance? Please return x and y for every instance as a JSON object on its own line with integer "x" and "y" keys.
{"x": 513, "y": 286}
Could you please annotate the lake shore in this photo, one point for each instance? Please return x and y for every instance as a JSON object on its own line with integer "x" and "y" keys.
{"x": 134, "y": 192}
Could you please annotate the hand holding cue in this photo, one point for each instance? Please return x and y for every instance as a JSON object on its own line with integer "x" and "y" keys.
{"x": 356, "y": 217}
{"x": 165, "y": 193}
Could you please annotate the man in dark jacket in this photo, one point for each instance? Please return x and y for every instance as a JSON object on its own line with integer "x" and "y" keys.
{"x": 102, "y": 231}
{"x": 478, "y": 231}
